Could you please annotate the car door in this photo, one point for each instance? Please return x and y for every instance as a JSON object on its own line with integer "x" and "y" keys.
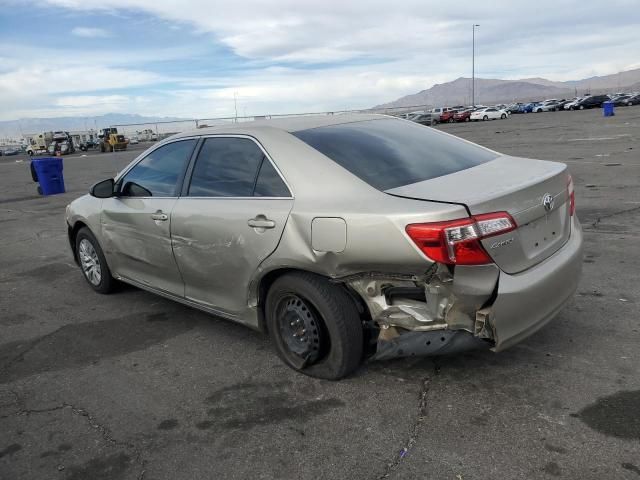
{"x": 230, "y": 217}
{"x": 136, "y": 223}
{"x": 492, "y": 113}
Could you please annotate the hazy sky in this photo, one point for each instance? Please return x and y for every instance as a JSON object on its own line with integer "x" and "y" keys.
{"x": 189, "y": 57}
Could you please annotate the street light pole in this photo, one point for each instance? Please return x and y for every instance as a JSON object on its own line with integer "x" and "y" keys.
{"x": 473, "y": 65}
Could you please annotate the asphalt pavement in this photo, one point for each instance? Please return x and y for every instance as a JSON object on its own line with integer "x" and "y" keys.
{"x": 132, "y": 386}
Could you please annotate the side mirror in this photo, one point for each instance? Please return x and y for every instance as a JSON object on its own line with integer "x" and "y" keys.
{"x": 103, "y": 189}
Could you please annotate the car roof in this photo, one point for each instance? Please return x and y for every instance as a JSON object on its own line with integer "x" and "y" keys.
{"x": 288, "y": 124}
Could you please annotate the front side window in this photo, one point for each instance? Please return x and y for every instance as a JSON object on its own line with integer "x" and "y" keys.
{"x": 158, "y": 173}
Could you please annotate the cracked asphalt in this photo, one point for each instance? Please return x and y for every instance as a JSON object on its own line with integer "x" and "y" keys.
{"x": 133, "y": 386}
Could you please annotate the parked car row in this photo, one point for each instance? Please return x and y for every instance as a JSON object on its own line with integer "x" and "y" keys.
{"x": 8, "y": 151}
{"x": 457, "y": 114}
{"x": 576, "y": 103}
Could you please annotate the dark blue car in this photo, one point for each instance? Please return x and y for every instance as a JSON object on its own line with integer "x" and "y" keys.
{"x": 528, "y": 107}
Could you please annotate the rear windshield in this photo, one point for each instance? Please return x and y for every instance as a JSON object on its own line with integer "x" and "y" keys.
{"x": 390, "y": 153}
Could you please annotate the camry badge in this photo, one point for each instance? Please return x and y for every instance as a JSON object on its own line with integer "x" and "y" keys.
{"x": 547, "y": 202}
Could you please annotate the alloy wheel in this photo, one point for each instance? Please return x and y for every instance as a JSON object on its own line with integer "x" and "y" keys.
{"x": 90, "y": 262}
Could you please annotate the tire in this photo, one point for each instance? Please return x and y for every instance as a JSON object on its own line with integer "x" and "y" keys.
{"x": 485, "y": 118}
{"x": 503, "y": 116}
{"x": 327, "y": 331}
{"x": 581, "y": 107}
{"x": 467, "y": 119}
{"x": 105, "y": 283}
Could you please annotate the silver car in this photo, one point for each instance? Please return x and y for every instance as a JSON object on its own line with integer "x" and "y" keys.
{"x": 345, "y": 237}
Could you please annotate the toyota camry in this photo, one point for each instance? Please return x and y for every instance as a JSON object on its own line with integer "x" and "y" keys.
{"x": 345, "y": 237}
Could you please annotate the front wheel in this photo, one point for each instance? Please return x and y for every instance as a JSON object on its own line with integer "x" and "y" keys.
{"x": 467, "y": 119}
{"x": 314, "y": 325}
{"x": 451, "y": 120}
{"x": 581, "y": 107}
{"x": 93, "y": 263}
{"x": 503, "y": 116}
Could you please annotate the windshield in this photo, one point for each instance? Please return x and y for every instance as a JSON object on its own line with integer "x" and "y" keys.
{"x": 389, "y": 153}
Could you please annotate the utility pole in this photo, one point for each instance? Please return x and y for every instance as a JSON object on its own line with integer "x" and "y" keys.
{"x": 235, "y": 104}
{"x": 473, "y": 65}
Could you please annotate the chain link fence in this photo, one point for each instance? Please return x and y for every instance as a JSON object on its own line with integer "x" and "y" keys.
{"x": 159, "y": 130}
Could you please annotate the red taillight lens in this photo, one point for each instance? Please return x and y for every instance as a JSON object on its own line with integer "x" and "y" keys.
{"x": 572, "y": 196}
{"x": 457, "y": 242}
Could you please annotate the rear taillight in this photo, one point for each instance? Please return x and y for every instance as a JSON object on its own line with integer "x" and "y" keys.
{"x": 572, "y": 196}
{"x": 457, "y": 242}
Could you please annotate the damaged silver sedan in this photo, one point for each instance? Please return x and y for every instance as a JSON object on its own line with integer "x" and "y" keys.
{"x": 345, "y": 237}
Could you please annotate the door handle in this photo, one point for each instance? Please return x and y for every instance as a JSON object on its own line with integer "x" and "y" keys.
{"x": 159, "y": 216}
{"x": 261, "y": 222}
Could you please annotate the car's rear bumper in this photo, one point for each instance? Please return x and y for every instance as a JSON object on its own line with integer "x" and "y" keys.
{"x": 528, "y": 300}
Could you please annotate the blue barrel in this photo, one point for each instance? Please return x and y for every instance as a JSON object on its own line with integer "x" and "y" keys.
{"x": 607, "y": 108}
{"x": 48, "y": 173}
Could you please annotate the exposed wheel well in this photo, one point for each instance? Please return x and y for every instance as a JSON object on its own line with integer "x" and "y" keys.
{"x": 271, "y": 277}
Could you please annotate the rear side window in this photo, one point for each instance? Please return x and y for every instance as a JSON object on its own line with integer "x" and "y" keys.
{"x": 226, "y": 167}
{"x": 390, "y": 153}
{"x": 234, "y": 167}
{"x": 269, "y": 183}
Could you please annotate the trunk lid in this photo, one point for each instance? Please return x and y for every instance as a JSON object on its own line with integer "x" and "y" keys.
{"x": 517, "y": 186}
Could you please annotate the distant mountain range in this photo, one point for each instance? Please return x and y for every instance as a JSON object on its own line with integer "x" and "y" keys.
{"x": 16, "y": 128}
{"x": 490, "y": 91}
{"x": 457, "y": 92}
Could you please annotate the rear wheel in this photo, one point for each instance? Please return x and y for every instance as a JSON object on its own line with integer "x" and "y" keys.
{"x": 581, "y": 107}
{"x": 467, "y": 119}
{"x": 451, "y": 120}
{"x": 92, "y": 262}
{"x": 314, "y": 325}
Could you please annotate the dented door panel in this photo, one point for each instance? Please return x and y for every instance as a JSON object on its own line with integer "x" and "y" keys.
{"x": 137, "y": 241}
{"x": 218, "y": 250}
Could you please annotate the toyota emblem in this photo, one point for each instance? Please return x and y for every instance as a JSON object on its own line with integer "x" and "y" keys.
{"x": 547, "y": 202}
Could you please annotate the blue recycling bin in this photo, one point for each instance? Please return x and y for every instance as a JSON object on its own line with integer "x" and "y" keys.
{"x": 607, "y": 108}
{"x": 48, "y": 173}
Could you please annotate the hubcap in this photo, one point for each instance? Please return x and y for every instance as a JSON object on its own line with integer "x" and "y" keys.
{"x": 299, "y": 328}
{"x": 90, "y": 262}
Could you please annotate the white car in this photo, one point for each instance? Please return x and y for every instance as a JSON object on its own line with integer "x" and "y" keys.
{"x": 573, "y": 103}
{"x": 546, "y": 106}
{"x": 490, "y": 113}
